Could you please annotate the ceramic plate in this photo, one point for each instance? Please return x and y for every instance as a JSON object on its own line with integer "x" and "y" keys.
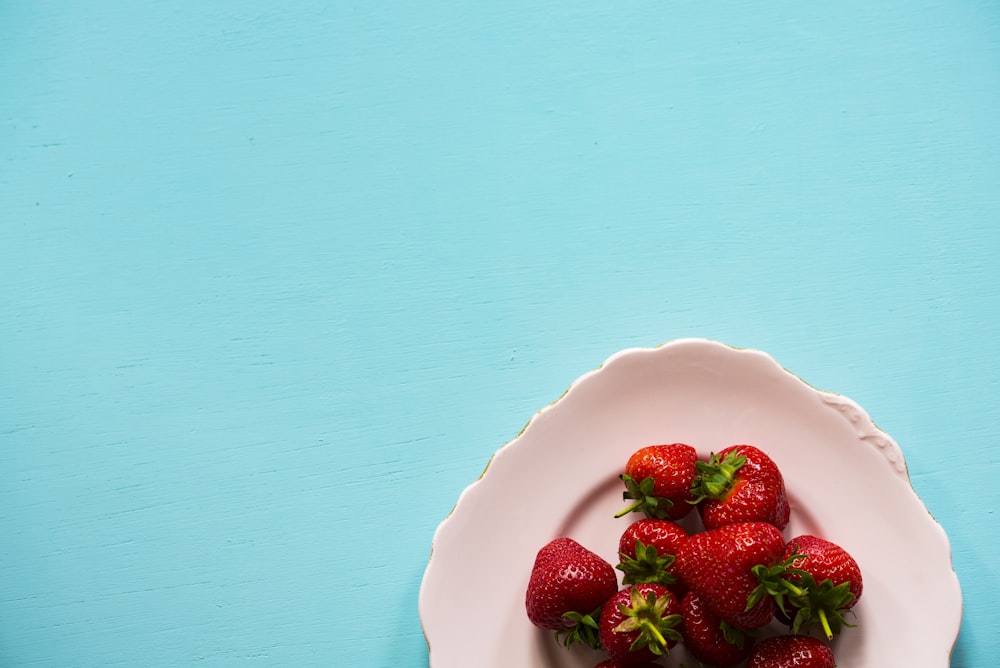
{"x": 846, "y": 481}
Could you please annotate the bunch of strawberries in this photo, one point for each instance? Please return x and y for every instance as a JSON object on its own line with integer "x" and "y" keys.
{"x": 712, "y": 590}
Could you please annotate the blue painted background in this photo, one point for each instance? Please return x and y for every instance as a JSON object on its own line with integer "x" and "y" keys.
{"x": 276, "y": 280}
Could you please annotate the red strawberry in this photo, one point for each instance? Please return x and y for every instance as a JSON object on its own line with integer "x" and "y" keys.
{"x": 740, "y": 484}
{"x": 830, "y": 578}
{"x": 647, "y": 550}
{"x": 553, "y": 549}
{"x": 658, "y": 481}
{"x": 708, "y": 638}
{"x": 567, "y": 587}
{"x": 791, "y": 652}
{"x": 664, "y": 535}
{"x": 736, "y": 571}
{"x": 639, "y": 624}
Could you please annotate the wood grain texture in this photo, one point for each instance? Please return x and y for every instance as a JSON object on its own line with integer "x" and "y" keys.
{"x": 276, "y": 282}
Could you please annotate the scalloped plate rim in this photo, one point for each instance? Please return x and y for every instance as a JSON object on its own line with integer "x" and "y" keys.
{"x": 834, "y": 399}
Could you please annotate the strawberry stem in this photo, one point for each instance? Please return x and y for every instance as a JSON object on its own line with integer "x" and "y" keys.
{"x": 795, "y": 591}
{"x": 820, "y": 602}
{"x": 645, "y": 617}
{"x": 825, "y": 623}
{"x": 634, "y": 507}
{"x": 660, "y": 645}
{"x": 773, "y": 583}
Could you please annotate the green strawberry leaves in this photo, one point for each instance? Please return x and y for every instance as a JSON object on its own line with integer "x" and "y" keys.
{"x": 715, "y": 477}
{"x": 645, "y": 501}
{"x": 821, "y": 603}
{"x": 645, "y": 615}
{"x": 584, "y": 630}
{"x": 773, "y": 584}
{"x": 648, "y": 566}
{"x": 733, "y": 635}
{"x": 810, "y": 602}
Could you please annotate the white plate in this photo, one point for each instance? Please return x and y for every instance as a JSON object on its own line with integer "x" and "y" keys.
{"x": 846, "y": 482}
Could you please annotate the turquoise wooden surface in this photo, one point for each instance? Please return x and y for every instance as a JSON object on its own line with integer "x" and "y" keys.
{"x": 276, "y": 280}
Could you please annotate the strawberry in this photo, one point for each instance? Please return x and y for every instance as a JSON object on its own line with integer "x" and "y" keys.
{"x": 566, "y": 589}
{"x": 639, "y": 624}
{"x": 708, "y": 638}
{"x": 647, "y": 548}
{"x": 831, "y": 581}
{"x": 553, "y": 549}
{"x": 740, "y": 484}
{"x": 658, "y": 481}
{"x": 736, "y": 571}
{"x": 791, "y": 652}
